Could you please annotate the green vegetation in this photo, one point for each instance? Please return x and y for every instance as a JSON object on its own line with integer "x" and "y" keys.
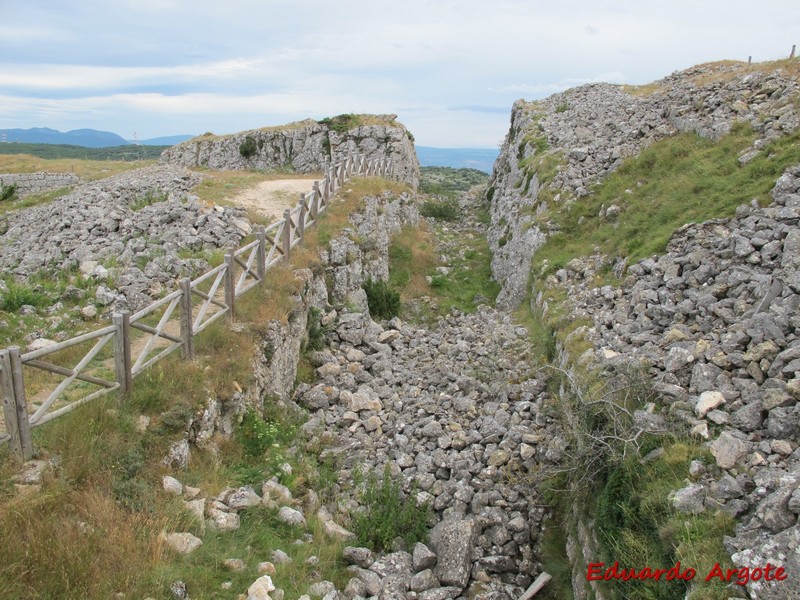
{"x": 383, "y": 301}
{"x": 7, "y": 192}
{"x": 63, "y": 151}
{"x": 248, "y": 147}
{"x": 677, "y": 180}
{"x": 388, "y": 514}
{"x": 446, "y": 181}
{"x": 345, "y": 122}
{"x": 20, "y": 294}
{"x": 443, "y": 210}
{"x": 148, "y": 198}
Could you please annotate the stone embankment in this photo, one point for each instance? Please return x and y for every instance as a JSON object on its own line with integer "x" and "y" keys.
{"x": 716, "y": 318}
{"x": 592, "y": 129}
{"x": 133, "y": 228}
{"x": 304, "y": 147}
{"x": 38, "y": 183}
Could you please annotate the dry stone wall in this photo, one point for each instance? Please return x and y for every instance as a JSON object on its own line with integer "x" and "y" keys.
{"x": 38, "y": 183}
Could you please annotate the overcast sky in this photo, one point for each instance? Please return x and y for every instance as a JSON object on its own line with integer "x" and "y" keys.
{"x": 449, "y": 69}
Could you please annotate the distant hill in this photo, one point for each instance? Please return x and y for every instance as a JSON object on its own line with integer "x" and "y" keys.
{"x": 481, "y": 159}
{"x": 128, "y": 152}
{"x": 88, "y": 138}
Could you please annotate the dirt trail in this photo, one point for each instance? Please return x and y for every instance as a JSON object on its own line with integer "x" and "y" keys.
{"x": 271, "y": 198}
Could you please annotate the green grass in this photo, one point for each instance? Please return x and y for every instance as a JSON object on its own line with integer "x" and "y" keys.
{"x": 678, "y": 180}
{"x": 638, "y": 526}
{"x": 65, "y": 151}
{"x": 443, "y": 210}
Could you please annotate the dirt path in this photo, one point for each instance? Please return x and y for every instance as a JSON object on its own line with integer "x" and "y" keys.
{"x": 271, "y": 198}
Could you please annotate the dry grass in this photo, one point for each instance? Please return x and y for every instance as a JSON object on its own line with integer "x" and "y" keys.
{"x": 643, "y": 91}
{"x": 87, "y": 170}
{"x": 727, "y": 70}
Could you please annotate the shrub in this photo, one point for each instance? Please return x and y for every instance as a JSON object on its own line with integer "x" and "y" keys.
{"x": 7, "y": 192}
{"x": 248, "y": 147}
{"x": 389, "y": 514}
{"x": 340, "y": 123}
{"x": 383, "y": 301}
{"x": 444, "y": 210}
{"x": 563, "y": 107}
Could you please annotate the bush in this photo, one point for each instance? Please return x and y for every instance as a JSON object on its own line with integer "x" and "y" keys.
{"x": 383, "y": 301}
{"x": 388, "y": 514}
{"x": 248, "y": 147}
{"x": 444, "y": 210}
{"x": 7, "y": 192}
{"x": 340, "y": 123}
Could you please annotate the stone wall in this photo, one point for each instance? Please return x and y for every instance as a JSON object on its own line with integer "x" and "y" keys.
{"x": 303, "y": 147}
{"x": 38, "y": 183}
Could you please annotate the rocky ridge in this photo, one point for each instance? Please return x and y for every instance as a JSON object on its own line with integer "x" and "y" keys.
{"x": 304, "y": 147}
{"x": 590, "y": 130}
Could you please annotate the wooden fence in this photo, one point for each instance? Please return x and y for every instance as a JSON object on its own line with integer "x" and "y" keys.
{"x": 194, "y": 305}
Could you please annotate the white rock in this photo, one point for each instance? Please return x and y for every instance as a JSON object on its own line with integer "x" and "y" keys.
{"x": 291, "y": 516}
{"x": 260, "y": 588}
{"x": 708, "y": 401}
{"x": 184, "y": 543}
{"x": 171, "y": 485}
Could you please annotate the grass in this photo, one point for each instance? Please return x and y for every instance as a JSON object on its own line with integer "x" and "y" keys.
{"x": 678, "y": 180}
{"x": 638, "y": 526}
{"x": 86, "y": 169}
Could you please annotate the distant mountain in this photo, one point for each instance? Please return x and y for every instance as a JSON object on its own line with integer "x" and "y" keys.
{"x": 88, "y": 138}
{"x": 458, "y": 158}
{"x": 169, "y": 140}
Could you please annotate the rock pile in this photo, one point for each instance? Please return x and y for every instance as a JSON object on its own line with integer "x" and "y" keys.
{"x": 456, "y": 414}
{"x": 717, "y": 319}
{"x": 38, "y": 183}
{"x": 137, "y": 222}
{"x": 596, "y": 127}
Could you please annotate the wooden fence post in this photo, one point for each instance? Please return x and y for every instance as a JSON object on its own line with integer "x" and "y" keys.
{"x": 20, "y": 449}
{"x": 340, "y": 175}
{"x": 122, "y": 353}
{"x": 287, "y": 233}
{"x": 301, "y": 217}
{"x": 332, "y": 179}
{"x": 187, "y": 318}
{"x": 230, "y": 285}
{"x": 261, "y": 254}
{"x": 794, "y": 47}
{"x": 20, "y": 429}
{"x": 314, "y": 208}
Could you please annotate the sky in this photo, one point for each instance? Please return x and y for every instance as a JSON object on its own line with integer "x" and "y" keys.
{"x": 450, "y": 69}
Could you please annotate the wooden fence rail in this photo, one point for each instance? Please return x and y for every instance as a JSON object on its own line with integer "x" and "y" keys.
{"x": 164, "y": 326}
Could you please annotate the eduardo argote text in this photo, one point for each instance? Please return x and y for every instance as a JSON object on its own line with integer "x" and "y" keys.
{"x": 741, "y": 576}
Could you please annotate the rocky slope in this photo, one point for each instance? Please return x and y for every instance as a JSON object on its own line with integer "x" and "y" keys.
{"x": 304, "y": 147}
{"x": 586, "y": 132}
{"x": 714, "y": 318}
